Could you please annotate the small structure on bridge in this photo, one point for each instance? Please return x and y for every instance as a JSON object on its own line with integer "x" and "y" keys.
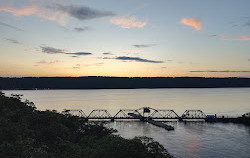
{"x": 124, "y": 114}
{"x": 246, "y": 115}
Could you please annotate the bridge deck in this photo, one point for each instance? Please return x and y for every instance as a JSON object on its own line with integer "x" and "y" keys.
{"x": 132, "y": 118}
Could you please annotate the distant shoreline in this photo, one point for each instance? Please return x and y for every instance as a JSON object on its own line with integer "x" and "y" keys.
{"x": 96, "y": 82}
{"x": 117, "y": 88}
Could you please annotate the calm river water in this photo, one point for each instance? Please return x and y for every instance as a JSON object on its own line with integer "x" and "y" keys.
{"x": 191, "y": 140}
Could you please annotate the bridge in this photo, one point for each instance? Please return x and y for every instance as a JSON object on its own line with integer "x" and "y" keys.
{"x": 144, "y": 113}
{"x": 150, "y": 115}
{"x": 154, "y": 116}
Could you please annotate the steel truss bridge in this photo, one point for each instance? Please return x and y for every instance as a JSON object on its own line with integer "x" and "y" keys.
{"x": 144, "y": 113}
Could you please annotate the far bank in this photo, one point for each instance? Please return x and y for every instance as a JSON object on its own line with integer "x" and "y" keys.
{"x": 100, "y": 82}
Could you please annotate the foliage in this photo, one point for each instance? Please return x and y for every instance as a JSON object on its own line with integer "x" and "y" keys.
{"x": 28, "y": 133}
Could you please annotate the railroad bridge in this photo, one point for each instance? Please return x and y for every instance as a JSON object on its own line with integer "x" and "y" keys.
{"x": 154, "y": 116}
{"x": 144, "y": 113}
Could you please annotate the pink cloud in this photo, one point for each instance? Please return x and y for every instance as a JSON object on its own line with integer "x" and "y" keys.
{"x": 37, "y": 10}
{"x": 192, "y": 22}
{"x": 241, "y": 38}
{"x": 43, "y": 62}
{"x": 28, "y": 10}
{"x": 128, "y": 22}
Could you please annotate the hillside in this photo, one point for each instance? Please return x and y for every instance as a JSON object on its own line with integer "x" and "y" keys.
{"x": 29, "y": 133}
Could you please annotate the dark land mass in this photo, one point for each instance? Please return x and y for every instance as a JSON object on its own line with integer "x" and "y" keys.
{"x": 29, "y": 133}
{"x": 95, "y": 82}
{"x": 239, "y": 120}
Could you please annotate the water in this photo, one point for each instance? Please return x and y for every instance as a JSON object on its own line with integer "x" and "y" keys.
{"x": 187, "y": 140}
{"x": 194, "y": 140}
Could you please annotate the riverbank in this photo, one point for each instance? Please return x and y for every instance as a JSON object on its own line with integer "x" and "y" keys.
{"x": 27, "y": 132}
{"x": 238, "y": 120}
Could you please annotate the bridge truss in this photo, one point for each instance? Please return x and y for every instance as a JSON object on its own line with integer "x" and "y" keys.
{"x": 124, "y": 114}
{"x": 146, "y": 113}
{"x": 100, "y": 114}
{"x": 193, "y": 114}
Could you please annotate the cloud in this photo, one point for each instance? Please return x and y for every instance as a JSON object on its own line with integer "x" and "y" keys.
{"x": 38, "y": 10}
{"x": 74, "y": 56}
{"x": 27, "y": 10}
{"x": 10, "y": 26}
{"x": 51, "y": 50}
{"x": 213, "y": 35}
{"x": 57, "y": 12}
{"x": 131, "y": 51}
{"x": 243, "y": 21}
{"x": 227, "y": 71}
{"x": 43, "y": 62}
{"x": 12, "y": 41}
{"x": 81, "y": 29}
{"x": 104, "y": 58}
{"x": 76, "y": 29}
{"x": 143, "y": 45}
{"x": 95, "y": 64}
{"x": 79, "y": 53}
{"x": 107, "y": 53}
{"x": 196, "y": 23}
{"x": 247, "y": 23}
{"x": 81, "y": 12}
{"x": 241, "y": 38}
{"x": 78, "y": 66}
{"x": 138, "y": 59}
{"x": 128, "y": 22}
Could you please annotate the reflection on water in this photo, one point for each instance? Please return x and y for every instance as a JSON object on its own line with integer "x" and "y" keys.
{"x": 192, "y": 140}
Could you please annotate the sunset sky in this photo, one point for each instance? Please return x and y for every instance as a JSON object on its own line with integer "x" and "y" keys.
{"x": 166, "y": 38}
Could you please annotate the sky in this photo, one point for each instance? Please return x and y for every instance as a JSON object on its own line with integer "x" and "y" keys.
{"x": 132, "y": 38}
